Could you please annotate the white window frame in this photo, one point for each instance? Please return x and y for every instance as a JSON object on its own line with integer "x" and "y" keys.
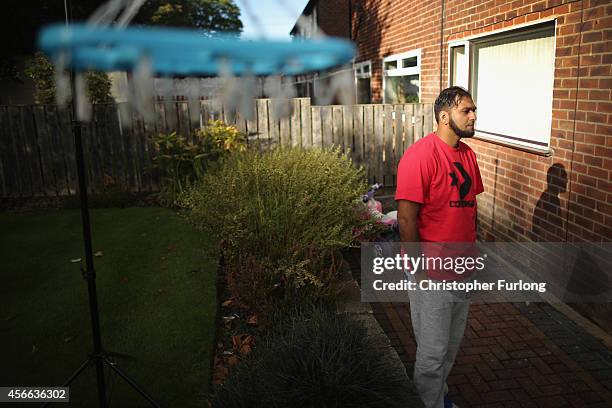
{"x": 468, "y": 52}
{"x": 401, "y": 71}
{"x": 468, "y": 42}
{"x": 359, "y": 69}
{"x": 360, "y": 73}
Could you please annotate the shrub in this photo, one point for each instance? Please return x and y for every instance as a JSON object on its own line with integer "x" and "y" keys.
{"x": 98, "y": 87}
{"x": 314, "y": 359}
{"x": 282, "y": 216}
{"x": 181, "y": 162}
{"x": 225, "y": 138}
{"x": 41, "y": 70}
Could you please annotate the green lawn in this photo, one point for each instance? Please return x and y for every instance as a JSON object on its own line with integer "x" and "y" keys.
{"x": 157, "y": 296}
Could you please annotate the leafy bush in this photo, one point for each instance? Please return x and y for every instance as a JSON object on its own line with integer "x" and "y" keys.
{"x": 98, "y": 87}
{"x": 225, "y": 138}
{"x": 282, "y": 216}
{"x": 41, "y": 70}
{"x": 314, "y": 359}
{"x": 181, "y": 162}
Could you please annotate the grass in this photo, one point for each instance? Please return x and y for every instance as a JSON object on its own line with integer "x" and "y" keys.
{"x": 157, "y": 301}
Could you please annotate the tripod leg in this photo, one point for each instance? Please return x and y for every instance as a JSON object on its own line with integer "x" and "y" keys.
{"x": 131, "y": 382}
{"x": 72, "y": 377}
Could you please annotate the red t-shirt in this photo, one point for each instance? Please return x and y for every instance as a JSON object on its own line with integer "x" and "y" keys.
{"x": 445, "y": 181}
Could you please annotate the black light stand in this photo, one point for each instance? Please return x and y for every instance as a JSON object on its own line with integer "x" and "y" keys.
{"x": 99, "y": 357}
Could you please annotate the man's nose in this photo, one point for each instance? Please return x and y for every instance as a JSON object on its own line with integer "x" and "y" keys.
{"x": 472, "y": 116}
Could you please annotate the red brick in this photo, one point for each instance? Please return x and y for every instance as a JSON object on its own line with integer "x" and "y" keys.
{"x": 562, "y": 9}
{"x": 604, "y": 107}
{"x": 604, "y": 130}
{"x": 590, "y": 60}
{"x": 599, "y": 95}
{"x": 528, "y": 385}
{"x": 593, "y": 161}
{"x": 496, "y": 396}
{"x": 603, "y": 70}
{"x": 605, "y": 83}
{"x": 592, "y": 36}
{"x": 596, "y": 117}
{"x": 589, "y": 83}
{"x": 556, "y": 401}
{"x": 468, "y": 359}
{"x": 503, "y": 385}
{"x": 542, "y": 367}
{"x": 455, "y": 379}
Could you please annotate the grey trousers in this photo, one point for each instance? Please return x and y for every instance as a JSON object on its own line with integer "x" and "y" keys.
{"x": 438, "y": 320}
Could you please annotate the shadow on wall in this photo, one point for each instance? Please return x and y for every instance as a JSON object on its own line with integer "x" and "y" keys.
{"x": 547, "y": 217}
{"x": 578, "y": 268}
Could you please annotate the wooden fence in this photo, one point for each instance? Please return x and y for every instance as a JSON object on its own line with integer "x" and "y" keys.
{"x": 37, "y": 146}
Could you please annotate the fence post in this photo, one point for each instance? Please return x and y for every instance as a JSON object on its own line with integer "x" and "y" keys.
{"x": 306, "y": 113}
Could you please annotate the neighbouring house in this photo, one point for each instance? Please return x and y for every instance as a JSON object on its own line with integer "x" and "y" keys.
{"x": 171, "y": 89}
{"x": 322, "y": 18}
{"x": 540, "y": 73}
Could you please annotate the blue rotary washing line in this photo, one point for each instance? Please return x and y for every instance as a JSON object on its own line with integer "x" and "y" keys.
{"x": 186, "y": 52}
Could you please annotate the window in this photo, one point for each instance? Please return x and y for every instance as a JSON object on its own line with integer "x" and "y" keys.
{"x": 363, "y": 75}
{"x": 459, "y": 65}
{"x": 401, "y": 81}
{"x": 511, "y": 78}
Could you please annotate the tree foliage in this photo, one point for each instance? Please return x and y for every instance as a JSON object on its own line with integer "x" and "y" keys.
{"x": 211, "y": 16}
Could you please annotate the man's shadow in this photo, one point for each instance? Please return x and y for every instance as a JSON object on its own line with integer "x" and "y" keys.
{"x": 576, "y": 267}
{"x": 547, "y": 220}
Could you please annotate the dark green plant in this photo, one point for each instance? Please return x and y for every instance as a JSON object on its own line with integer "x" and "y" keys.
{"x": 283, "y": 216}
{"x": 181, "y": 162}
{"x": 315, "y": 358}
{"x": 412, "y": 98}
{"x": 98, "y": 87}
{"x": 41, "y": 70}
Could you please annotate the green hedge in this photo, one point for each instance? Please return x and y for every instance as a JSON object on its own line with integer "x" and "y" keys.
{"x": 315, "y": 358}
{"x": 282, "y": 216}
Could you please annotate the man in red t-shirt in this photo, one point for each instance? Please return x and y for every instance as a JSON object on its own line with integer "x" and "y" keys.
{"x": 437, "y": 183}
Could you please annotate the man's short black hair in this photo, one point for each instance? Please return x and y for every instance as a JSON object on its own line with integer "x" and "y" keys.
{"x": 448, "y": 98}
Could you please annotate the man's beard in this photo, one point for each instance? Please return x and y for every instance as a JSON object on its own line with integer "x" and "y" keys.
{"x": 461, "y": 133}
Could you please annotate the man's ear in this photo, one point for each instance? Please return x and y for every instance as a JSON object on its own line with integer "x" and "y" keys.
{"x": 444, "y": 117}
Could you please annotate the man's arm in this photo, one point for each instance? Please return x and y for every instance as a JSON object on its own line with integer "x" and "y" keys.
{"x": 407, "y": 213}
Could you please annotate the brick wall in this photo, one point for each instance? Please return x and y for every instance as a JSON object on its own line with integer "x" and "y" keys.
{"x": 517, "y": 204}
{"x": 333, "y": 17}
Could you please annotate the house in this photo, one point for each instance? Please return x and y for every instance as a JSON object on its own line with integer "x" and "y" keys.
{"x": 540, "y": 73}
{"x": 321, "y": 18}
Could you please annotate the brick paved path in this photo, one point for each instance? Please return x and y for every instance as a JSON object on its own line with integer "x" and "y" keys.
{"x": 514, "y": 355}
